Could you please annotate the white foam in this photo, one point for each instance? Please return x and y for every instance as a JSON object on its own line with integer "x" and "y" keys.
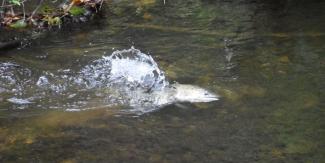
{"x": 19, "y": 101}
{"x": 130, "y": 67}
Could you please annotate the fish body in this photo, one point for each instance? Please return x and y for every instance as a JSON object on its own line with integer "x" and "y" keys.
{"x": 143, "y": 101}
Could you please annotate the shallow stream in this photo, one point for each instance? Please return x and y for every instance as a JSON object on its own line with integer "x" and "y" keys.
{"x": 264, "y": 59}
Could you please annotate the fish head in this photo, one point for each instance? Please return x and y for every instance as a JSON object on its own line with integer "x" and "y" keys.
{"x": 192, "y": 93}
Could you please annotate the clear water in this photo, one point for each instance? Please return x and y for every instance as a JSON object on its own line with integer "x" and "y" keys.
{"x": 265, "y": 59}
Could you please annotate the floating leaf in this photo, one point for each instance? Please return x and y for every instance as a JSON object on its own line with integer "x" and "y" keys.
{"x": 15, "y": 2}
{"x": 284, "y": 59}
{"x": 79, "y": 1}
{"x": 19, "y": 24}
{"x": 76, "y": 11}
{"x": 56, "y": 21}
{"x": 52, "y": 20}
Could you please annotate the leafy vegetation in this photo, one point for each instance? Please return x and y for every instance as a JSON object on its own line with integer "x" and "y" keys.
{"x": 44, "y": 16}
{"x": 76, "y": 11}
{"x": 15, "y": 2}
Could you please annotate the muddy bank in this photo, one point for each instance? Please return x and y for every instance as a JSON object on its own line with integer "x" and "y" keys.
{"x": 19, "y": 29}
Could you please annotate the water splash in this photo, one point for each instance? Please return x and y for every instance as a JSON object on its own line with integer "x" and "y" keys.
{"x": 107, "y": 81}
{"x": 128, "y": 67}
{"x": 14, "y": 78}
{"x": 127, "y": 78}
{"x": 19, "y": 101}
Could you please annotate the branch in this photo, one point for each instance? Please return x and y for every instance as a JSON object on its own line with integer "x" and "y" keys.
{"x": 3, "y": 3}
{"x": 22, "y": 4}
{"x": 38, "y": 6}
{"x": 101, "y": 4}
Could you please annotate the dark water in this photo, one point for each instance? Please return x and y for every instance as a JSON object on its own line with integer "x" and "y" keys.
{"x": 265, "y": 59}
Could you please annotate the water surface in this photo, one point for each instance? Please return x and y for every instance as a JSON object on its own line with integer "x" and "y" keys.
{"x": 265, "y": 59}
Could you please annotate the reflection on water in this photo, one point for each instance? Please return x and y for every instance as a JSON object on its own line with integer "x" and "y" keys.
{"x": 264, "y": 58}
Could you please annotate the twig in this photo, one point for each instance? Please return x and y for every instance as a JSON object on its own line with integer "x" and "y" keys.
{"x": 12, "y": 10}
{"x": 69, "y": 7}
{"x": 101, "y": 4}
{"x": 38, "y": 6}
{"x": 3, "y": 3}
{"x": 24, "y": 16}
